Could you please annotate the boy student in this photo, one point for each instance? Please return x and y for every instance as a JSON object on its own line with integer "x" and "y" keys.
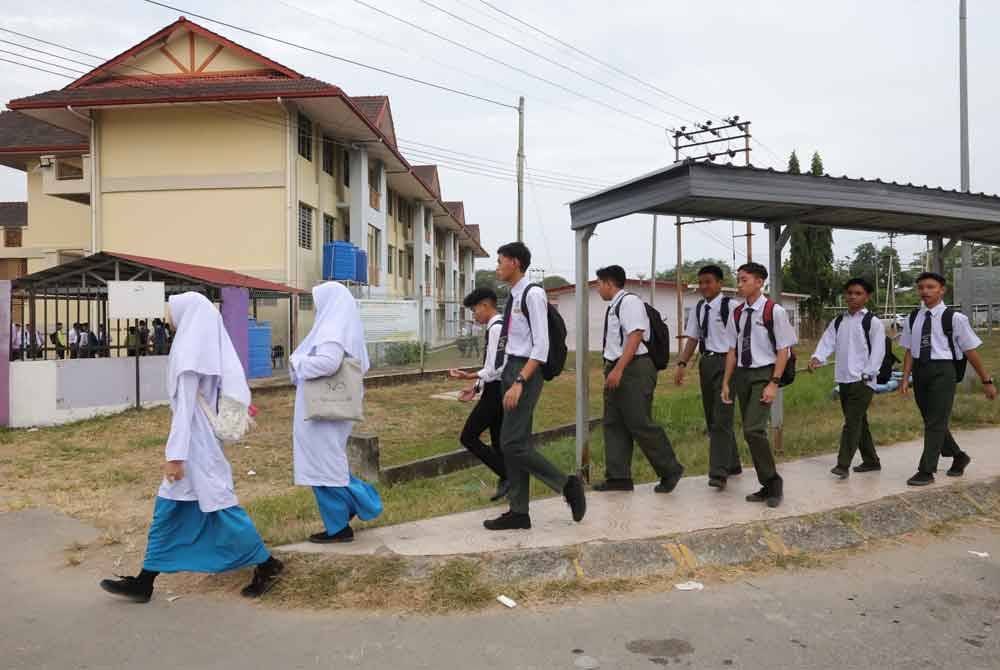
{"x": 857, "y": 339}
{"x": 938, "y": 341}
{"x": 628, "y": 390}
{"x": 522, "y": 350}
{"x": 761, "y": 338}
{"x": 488, "y": 412}
{"x": 708, "y": 331}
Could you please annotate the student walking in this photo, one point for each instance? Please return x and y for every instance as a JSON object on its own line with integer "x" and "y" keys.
{"x": 488, "y": 412}
{"x": 630, "y": 381}
{"x": 939, "y": 342}
{"x": 320, "y": 447}
{"x": 858, "y": 341}
{"x": 761, "y": 338}
{"x": 708, "y": 332}
{"x": 74, "y": 341}
{"x": 198, "y": 525}
{"x": 522, "y": 351}
{"x": 58, "y": 339}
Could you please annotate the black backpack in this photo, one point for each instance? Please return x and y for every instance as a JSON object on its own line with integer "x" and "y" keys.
{"x": 948, "y": 326}
{"x": 788, "y": 376}
{"x": 558, "y": 351}
{"x": 658, "y": 344}
{"x": 888, "y": 359}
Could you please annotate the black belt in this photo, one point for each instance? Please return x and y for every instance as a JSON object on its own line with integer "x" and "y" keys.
{"x": 637, "y": 356}
{"x": 709, "y": 354}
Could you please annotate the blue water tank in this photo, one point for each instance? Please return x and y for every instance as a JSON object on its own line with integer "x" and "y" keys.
{"x": 361, "y": 272}
{"x": 339, "y": 261}
{"x": 259, "y": 359}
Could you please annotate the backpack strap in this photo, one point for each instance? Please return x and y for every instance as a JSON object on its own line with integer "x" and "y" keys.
{"x": 524, "y": 308}
{"x": 866, "y": 326}
{"x": 737, "y": 315}
{"x": 697, "y": 312}
{"x": 769, "y": 323}
{"x": 724, "y": 309}
{"x": 948, "y": 326}
{"x": 913, "y": 318}
{"x": 618, "y": 315}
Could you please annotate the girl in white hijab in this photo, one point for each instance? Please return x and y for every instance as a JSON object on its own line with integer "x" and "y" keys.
{"x": 320, "y": 447}
{"x": 198, "y": 525}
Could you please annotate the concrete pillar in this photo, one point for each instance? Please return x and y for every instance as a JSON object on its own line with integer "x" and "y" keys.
{"x": 235, "y": 309}
{"x": 583, "y": 236}
{"x": 774, "y": 273}
{"x": 5, "y": 292}
{"x": 359, "y": 197}
{"x": 450, "y": 288}
{"x": 431, "y": 303}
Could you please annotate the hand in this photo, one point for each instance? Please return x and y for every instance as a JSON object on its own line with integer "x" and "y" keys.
{"x": 512, "y": 397}
{"x": 813, "y": 364}
{"x": 904, "y": 386}
{"x": 725, "y": 394}
{"x": 173, "y": 471}
{"x": 990, "y": 391}
{"x": 770, "y": 391}
{"x": 455, "y": 373}
{"x": 465, "y": 395}
{"x": 614, "y": 379}
{"x": 679, "y": 374}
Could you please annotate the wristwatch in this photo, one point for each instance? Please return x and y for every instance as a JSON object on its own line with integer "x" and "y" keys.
{"x": 775, "y": 380}
{"x": 520, "y": 380}
{"x": 988, "y": 382}
{"x": 682, "y": 364}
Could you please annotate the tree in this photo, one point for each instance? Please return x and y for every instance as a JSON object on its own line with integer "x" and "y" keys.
{"x": 689, "y": 270}
{"x": 488, "y": 279}
{"x": 793, "y": 164}
{"x": 816, "y": 167}
{"x": 554, "y": 281}
{"x": 810, "y": 267}
{"x": 865, "y": 262}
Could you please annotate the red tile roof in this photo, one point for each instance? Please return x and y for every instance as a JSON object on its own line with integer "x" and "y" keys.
{"x": 20, "y": 133}
{"x": 209, "y": 275}
{"x": 474, "y": 232}
{"x": 13, "y": 214}
{"x": 376, "y": 109}
{"x": 428, "y": 174}
{"x": 457, "y": 210}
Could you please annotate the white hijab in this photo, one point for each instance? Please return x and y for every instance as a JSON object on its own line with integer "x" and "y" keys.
{"x": 201, "y": 344}
{"x": 337, "y": 320}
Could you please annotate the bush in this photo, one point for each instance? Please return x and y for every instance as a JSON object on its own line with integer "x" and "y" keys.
{"x": 403, "y": 353}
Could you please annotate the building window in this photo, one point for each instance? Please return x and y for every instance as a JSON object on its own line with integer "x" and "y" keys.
{"x": 305, "y": 137}
{"x": 305, "y": 226}
{"x": 12, "y": 237}
{"x": 329, "y": 229}
{"x": 347, "y": 168}
{"x": 409, "y": 266}
{"x": 306, "y": 302}
{"x": 390, "y": 257}
{"x": 328, "y": 156}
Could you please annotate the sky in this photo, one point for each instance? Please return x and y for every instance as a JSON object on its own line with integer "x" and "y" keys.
{"x": 872, "y": 86}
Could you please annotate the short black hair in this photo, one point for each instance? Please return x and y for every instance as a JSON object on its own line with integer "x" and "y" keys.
{"x": 478, "y": 295}
{"x": 756, "y": 269}
{"x": 614, "y": 274}
{"x": 932, "y": 275}
{"x": 860, "y": 281}
{"x": 712, "y": 270}
{"x": 519, "y": 252}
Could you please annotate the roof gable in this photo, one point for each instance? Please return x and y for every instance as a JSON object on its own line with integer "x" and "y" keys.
{"x": 457, "y": 210}
{"x": 428, "y": 174}
{"x": 377, "y": 110}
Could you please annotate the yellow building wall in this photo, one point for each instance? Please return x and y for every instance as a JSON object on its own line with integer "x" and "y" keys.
{"x": 54, "y": 224}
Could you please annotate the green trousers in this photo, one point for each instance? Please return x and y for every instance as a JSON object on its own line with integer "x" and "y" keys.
{"x": 628, "y": 418}
{"x": 515, "y": 439}
{"x": 855, "y": 398}
{"x": 934, "y": 385}
{"x": 747, "y": 387}
{"x": 723, "y": 455}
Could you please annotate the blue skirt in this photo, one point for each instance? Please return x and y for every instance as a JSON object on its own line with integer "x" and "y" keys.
{"x": 339, "y": 504}
{"x": 182, "y": 538}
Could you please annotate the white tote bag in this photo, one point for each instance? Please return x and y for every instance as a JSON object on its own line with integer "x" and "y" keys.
{"x": 339, "y": 397}
{"x": 232, "y": 422}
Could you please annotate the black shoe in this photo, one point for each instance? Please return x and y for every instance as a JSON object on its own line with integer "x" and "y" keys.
{"x": 733, "y": 472}
{"x": 131, "y": 588}
{"x": 759, "y": 496}
{"x": 503, "y": 488}
{"x": 717, "y": 482}
{"x": 958, "y": 465}
{"x": 345, "y": 534}
{"x": 509, "y": 521}
{"x": 265, "y": 576}
{"x": 614, "y": 485}
{"x": 868, "y": 467}
{"x": 775, "y": 491}
{"x": 842, "y": 473}
{"x": 575, "y": 497}
{"x": 668, "y": 484}
{"x": 920, "y": 479}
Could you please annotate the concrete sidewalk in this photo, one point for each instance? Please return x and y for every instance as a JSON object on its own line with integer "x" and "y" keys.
{"x": 809, "y": 489}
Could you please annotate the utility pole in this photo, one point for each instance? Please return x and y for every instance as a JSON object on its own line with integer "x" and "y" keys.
{"x": 963, "y": 104}
{"x": 746, "y": 156}
{"x": 652, "y": 273}
{"x": 520, "y": 169}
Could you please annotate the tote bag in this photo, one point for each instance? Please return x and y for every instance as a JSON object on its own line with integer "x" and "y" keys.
{"x": 339, "y": 397}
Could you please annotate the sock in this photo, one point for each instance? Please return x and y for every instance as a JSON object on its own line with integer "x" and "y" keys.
{"x": 146, "y": 577}
{"x": 268, "y": 565}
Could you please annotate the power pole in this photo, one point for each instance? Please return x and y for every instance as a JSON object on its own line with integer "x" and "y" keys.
{"x": 746, "y": 155}
{"x": 963, "y": 104}
{"x": 520, "y": 169}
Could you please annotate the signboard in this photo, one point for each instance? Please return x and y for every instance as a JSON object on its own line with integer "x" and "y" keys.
{"x": 390, "y": 320}
{"x": 136, "y": 299}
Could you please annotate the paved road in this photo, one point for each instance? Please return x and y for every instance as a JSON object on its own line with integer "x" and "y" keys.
{"x": 924, "y": 604}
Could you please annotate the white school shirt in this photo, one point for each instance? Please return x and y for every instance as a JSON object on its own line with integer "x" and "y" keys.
{"x": 633, "y": 318}
{"x": 319, "y": 448}
{"x": 524, "y": 341}
{"x": 208, "y": 477}
{"x": 760, "y": 343}
{"x": 490, "y": 373}
{"x": 72, "y": 336}
{"x": 851, "y": 349}
{"x": 965, "y": 338}
{"x": 718, "y": 339}
{"x": 16, "y": 338}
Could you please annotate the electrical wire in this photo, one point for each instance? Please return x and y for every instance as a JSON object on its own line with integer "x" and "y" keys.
{"x": 33, "y": 67}
{"x": 39, "y": 60}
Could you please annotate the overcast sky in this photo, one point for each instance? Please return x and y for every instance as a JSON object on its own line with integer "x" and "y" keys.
{"x": 872, "y": 85}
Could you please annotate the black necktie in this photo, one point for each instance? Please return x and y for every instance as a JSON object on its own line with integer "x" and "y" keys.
{"x": 746, "y": 356}
{"x": 702, "y": 346}
{"x": 925, "y": 339}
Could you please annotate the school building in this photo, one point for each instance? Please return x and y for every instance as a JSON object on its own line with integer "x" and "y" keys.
{"x": 191, "y": 148}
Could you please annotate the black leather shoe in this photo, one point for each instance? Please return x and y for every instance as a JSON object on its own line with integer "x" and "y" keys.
{"x": 503, "y": 488}
{"x": 920, "y": 479}
{"x": 130, "y": 588}
{"x": 868, "y": 467}
{"x": 738, "y": 470}
{"x": 346, "y": 534}
{"x": 575, "y": 497}
{"x": 958, "y": 465}
{"x": 614, "y": 485}
{"x": 842, "y": 473}
{"x": 265, "y": 576}
{"x": 717, "y": 482}
{"x": 759, "y": 496}
{"x": 775, "y": 491}
{"x": 508, "y": 521}
{"x": 668, "y": 484}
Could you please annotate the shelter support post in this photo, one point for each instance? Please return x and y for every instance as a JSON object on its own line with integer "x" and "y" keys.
{"x": 5, "y": 325}
{"x": 938, "y": 250}
{"x": 583, "y": 236}
{"x": 235, "y": 307}
{"x": 776, "y": 241}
